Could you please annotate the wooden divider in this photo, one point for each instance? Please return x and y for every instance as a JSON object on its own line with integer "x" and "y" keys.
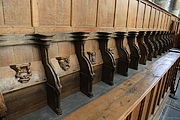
{"x": 138, "y": 98}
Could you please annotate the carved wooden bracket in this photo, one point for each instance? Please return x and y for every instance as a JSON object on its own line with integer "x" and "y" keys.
{"x": 53, "y": 81}
{"x": 159, "y": 39}
{"x": 167, "y": 40}
{"x": 86, "y": 69}
{"x": 135, "y": 52}
{"x": 23, "y": 72}
{"x": 155, "y": 43}
{"x": 92, "y": 57}
{"x": 143, "y": 48}
{"x": 124, "y": 58}
{"x": 149, "y": 45}
{"x": 3, "y": 108}
{"x": 64, "y": 62}
{"x": 108, "y": 58}
{"x": 164, "y": 41}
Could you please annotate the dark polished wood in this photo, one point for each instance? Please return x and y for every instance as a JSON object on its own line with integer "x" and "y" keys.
{"x": 143, "y": 48}
{"x": 135, "y": 52}
{"x": 149, "y": 45}
{"x": 53, "y": 81}
{"x": 86, "y": 69}
{"x": 108, "y": 58}
{"x": 3, "y": 108}
{"x": 155, "y": 43}
{"x": 124, "y": 58}
{"x": 160, "y": 42}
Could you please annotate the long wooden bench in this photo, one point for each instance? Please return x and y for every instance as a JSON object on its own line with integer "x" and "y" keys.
{"x": 137, "y": 98}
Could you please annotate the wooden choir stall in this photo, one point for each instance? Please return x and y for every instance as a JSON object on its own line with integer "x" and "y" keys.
{"x": 52, "y": 49}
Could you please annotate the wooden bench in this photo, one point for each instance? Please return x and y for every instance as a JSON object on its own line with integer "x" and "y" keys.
{"x": 139, "y": 97}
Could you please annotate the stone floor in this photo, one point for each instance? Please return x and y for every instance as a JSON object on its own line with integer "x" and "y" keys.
{"x": 171, "y": 110}
{"x": 77, "y": 100}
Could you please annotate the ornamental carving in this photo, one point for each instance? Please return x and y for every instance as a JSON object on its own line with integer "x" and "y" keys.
{"x": 111, "y": 50}
{"x": 64, "y": 62}
{"x": 92, "y": 57}
{"x": 23, "y": 72}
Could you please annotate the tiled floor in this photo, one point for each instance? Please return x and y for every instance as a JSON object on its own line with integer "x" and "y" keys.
{"x": 171, "y": 110}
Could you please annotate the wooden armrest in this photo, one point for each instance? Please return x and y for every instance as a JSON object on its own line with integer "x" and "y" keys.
{"x": 3, "y": 108}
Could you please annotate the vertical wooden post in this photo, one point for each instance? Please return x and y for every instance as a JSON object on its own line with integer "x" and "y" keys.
{"x": 149, "y": 45}
{"x": 124, "y": 58}
{"x": 107, "y": 56}
{"x": 86, "y": 69}
{"x": 53, "y": 81}
{"x": 135, "y": 53}
{"x": 143, "y": 48}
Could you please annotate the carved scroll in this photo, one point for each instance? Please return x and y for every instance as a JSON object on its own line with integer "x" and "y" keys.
{"x": 53, "y": 81}
{"x": 23, "y": 72}
{"x": 124, "y": 58}
{"x": 164, "y": 41}
{"x": 86, "y": 69}
{"x": 135, "y": 52}
{"x": 3, "y": 108}
{"x": 155, "y": 43}
{"x": 143, "y": 47}
{"x": 160, "y": 43}
{"x": 64, "y": 62}
{"x": 149, "y": 45}
{"x": 92, "y": 57}
{"x": 108, "y": 58}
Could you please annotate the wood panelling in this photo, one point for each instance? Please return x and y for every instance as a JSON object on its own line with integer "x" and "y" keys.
{"x": 56, "y": 12}
{"x": 156, "y": 19}
{"x": 140, "y": 15}
{"x": 160, "y": 20}
{"x": 1, "y": 14}
{"x": 84, "y": 12}
{"x": 147, "y": 16}
{"x": 17, "y": 12}
{"x": 152, "y": 18}
{"x": 106, "y": 11}
{"x": 132, "y": 11}
{"x": 121, "y": 10}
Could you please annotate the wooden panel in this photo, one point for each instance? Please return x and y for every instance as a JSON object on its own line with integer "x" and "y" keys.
{"x": 106, "y": 11}
{"x": 152, "y": 18}
{"x": 1, "y": 14}
{"x": 160, "y": 19}
{"x": 121, "y": 10}
{"x": 84, "y": 12}
{"x": 156, "y": 21}
{"x": 140, "y": 16}
{"x": 17, "y": 12}
{"x": 56, "y": 12}
{"x": 135, "y": 113}
{"x": 145, "y": 108}
{"x": 147, "y": 16}
{"x": 132, "y": 11}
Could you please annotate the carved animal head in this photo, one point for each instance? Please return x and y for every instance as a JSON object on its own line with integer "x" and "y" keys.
{"x": 23, "y": 72}
{"x": 64, "y": 62}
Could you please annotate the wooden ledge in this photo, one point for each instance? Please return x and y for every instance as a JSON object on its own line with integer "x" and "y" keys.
{"x": 120, "y": 101}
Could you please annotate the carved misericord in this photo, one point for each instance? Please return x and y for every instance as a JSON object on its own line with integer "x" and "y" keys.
{"x": 23, "y": 72}
{"x": 92, "y": 57}
{"x": 64, "y": 62}
{"x": 111, "y": 50}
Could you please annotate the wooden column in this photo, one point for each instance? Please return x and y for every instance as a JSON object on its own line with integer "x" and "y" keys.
{"x": 124, "y": 58}
{"x": 135, "y": 52}
{"x": 86, "y": 69}
{"x": 108, "y": 58}
{"x": 155, "y": 43}
{"x": 143, "y": 48}
{"x": 149, "y": 45}
{"x": 53, "y": 81}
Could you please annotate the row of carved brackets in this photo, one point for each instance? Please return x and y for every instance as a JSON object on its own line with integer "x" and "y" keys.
{"x": 146, "y": 50}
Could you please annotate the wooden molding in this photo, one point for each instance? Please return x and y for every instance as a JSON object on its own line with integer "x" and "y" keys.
{"x": 108, "y": 58}
{"x": 135, "y": 52}
{"x": 149, "y": 45}
{"x": 124, "y": 58}
{"x": 143, "y": 48}
{"x": 86, "y": 69}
